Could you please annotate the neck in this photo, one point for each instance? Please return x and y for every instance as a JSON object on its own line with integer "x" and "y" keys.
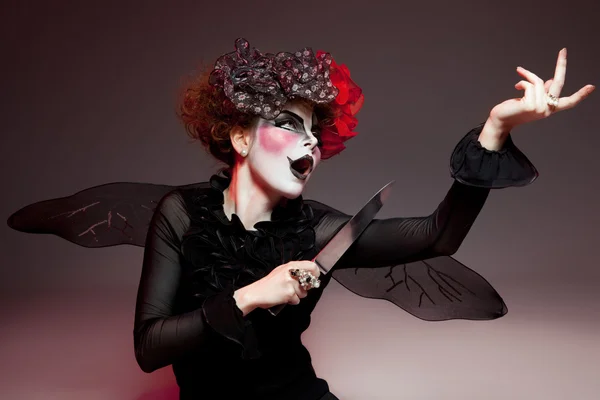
{"x": 247, "y": 198}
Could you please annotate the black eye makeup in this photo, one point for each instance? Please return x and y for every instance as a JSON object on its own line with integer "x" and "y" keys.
{"x": 289, "y": 120}
{"x": 293, "y": 122}
{"x": 289, "y": 123}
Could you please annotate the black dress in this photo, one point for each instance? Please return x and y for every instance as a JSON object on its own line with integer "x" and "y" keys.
{"x": 195, "y": 258}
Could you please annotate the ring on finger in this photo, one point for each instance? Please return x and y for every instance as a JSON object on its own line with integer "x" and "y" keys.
{"x": 552, "y": 101}
{"x": 306, "y": 279}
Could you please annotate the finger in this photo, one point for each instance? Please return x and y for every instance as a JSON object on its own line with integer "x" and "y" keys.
{"x": 540, "y": 93}
{"x": 565, "y": 103}
{"x": 297, "y": 290}
{"x": 530, "y": 76}
{"x": 521, "y": 85}
{"x": 294, "y": 300}
{"x": 547, "y": 86}
{"x": 529, "y": 97}
{"x": 313, "y": 268}
{"x": 303, "y": 265}
{"x": 559, "y": 73}
{"x": 300, "y": 292}
{"x": 541, "y": 101}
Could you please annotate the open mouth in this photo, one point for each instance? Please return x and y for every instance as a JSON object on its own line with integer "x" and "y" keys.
{"x": 301, "y": 167}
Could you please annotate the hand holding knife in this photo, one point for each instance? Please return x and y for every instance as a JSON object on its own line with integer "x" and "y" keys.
{"x": 337, "y": 246}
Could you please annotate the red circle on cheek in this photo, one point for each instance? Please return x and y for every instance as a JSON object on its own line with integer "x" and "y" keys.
{"x": 275, "y": 140}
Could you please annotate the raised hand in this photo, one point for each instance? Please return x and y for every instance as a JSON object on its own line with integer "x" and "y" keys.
{"x": 540, "y": 100}
{"x": 536, "y": 104}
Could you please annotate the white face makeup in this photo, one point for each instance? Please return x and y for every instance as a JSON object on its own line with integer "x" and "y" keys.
{"x": 285, "y": 151}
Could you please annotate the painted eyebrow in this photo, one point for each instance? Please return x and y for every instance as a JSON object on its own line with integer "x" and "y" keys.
{"x": 297, "y": 118}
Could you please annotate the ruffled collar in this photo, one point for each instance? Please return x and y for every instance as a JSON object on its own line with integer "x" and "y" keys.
{"x": 283, "y": 217}
{"x": 223, "y": 252}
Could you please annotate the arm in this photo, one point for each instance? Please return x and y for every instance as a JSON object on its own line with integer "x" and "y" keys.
{"x": 395, "y": 241}
{"x": 160, "y": 336}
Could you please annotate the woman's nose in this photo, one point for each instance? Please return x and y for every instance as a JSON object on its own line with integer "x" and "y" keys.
{"x": 312, "y": 141}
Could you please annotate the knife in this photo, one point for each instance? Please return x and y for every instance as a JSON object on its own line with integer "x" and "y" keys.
{"x": 341, "y": 241}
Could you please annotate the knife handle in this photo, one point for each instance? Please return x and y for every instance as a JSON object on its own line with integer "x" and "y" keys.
{"x": 276, "y": 309}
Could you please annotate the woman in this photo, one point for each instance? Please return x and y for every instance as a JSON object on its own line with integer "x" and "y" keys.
{"x": 219, "y": 254}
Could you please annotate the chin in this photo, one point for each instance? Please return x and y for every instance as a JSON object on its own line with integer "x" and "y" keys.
{"x": 284, "y": 185}
{"x": 293, "y": 190}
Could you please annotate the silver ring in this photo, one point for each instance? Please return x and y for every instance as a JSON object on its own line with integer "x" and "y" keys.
{"x": 305, "y": 278}
{"x": 552, "y": 101}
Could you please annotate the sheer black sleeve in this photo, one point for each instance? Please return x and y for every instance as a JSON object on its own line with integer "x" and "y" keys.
{"x": 161, "y": 336}
{"x": 408, "y": 262}
{"x": 401, "y": 240}
{"x": 473, "y": 164}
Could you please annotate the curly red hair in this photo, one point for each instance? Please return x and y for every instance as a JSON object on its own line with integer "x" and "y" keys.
{"x": 209, "y": 116}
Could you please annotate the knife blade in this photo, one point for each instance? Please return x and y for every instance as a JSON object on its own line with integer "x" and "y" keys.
{"x": 341, "y": 241}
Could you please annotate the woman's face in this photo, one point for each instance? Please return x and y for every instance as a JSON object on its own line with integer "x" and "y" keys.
{"x": 284, "y": 151}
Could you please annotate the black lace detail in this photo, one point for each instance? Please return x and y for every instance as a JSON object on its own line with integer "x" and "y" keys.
{"x": 224, "y": 253}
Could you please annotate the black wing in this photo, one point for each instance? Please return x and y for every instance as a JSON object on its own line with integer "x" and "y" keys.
{"x": 436, "y": 289}
{"x": 119, "y": 213}
{"x": 105, "y": 215}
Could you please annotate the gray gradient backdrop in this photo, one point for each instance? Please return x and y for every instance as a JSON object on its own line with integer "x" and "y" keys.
{"x": 89, "y": 97}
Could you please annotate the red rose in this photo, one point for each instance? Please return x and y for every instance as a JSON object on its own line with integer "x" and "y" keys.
{"x": 348, "y": 101}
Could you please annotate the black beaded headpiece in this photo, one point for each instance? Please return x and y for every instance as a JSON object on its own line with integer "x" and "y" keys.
{"x": 261, "y": 84}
